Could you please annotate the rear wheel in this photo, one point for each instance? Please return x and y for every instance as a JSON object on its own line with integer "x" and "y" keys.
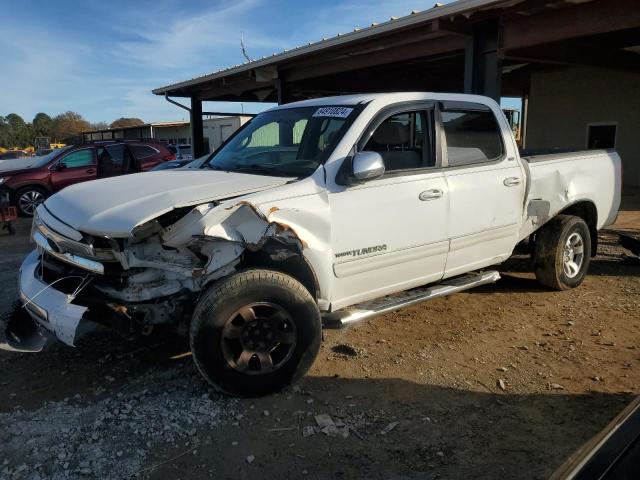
{"x": 562, "y": 252}
{"x": 28, "y": 199}
{"x": 255, "y": 332}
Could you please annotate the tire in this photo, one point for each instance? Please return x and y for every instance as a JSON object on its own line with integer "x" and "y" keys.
{"x": 562, "y": 252}
{"x": 255, "y": 332}
{"x": 27, "y": 199}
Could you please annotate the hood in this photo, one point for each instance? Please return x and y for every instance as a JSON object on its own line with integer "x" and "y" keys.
{"x": 16, "y": 165}
{"x": 114, "y": 206}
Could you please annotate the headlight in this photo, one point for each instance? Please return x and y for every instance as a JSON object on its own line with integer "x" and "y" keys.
{"x": 3, "y": 179}
{"x": 34, "y": 225}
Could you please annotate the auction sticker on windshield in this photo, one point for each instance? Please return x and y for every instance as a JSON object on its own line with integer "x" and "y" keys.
{"x": 335, "y": 112}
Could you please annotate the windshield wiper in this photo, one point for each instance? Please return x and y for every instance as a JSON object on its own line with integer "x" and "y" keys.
{"x": 258, "y": 168}
{"x": 208, "y": 166}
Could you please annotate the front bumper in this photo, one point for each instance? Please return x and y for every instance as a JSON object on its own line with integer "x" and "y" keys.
{"x": 50, "y": 309}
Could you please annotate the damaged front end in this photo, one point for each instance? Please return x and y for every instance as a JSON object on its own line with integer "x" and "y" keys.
{"x": 132, "y": 285}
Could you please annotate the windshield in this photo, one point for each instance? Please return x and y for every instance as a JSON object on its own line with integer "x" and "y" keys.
{"x": 288, "y": 142}
{"x": 40, "y": 161}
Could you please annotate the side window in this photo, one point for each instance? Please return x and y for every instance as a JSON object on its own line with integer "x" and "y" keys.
{"x": 81, "y": 158}
{"x": 403, "y": 141}
{"x": 143, "y": 151}
{"x": 111, "y": 161}
{"x": 472, "y": 137}
{"x": 266, "y": 136}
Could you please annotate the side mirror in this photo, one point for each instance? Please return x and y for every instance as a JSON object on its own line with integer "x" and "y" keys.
{"x": 60, "y": 166}
{"x": 367, "y": 165}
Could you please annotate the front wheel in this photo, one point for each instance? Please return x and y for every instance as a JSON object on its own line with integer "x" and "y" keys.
{"x": 255, "y": 332}
{"x": 562, "y": 252}
{"x": 28, "y": 199}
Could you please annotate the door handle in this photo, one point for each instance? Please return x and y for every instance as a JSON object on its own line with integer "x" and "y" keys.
{"x": 91, "y": 170}
{"x": 430, "y": 195}
{"x": 511, "y": 181}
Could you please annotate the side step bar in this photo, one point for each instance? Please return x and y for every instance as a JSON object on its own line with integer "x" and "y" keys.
{"x": 372, "y": 308}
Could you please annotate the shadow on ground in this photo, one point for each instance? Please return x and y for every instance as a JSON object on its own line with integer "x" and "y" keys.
{"x": 442, "y": 432}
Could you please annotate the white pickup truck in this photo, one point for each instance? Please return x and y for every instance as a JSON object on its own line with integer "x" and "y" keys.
{"x": 326, "y": 211}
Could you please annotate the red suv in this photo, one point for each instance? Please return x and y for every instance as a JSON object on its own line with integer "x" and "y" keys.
{"x": 30, "y": 181}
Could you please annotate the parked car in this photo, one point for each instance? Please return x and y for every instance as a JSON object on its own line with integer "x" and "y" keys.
{"x": 41, "y": 152}
{"x": 13, "y": 154}
{"x": 30, "y": 181}
{"x": 181, "y": 151}
{"x": 327, "y": 211}
{"x": 174, "y": 164}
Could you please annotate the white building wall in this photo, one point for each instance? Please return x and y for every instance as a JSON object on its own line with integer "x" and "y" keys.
{"x": 216, "y": 130}
{"x": 173, "y": 134}
{"x": 563, "y": 103}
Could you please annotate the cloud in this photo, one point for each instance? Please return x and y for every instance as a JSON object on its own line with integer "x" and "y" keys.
{"x": 107, "y": 70}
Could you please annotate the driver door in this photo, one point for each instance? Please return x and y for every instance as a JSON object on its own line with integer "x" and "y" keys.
{"x": 390, "y": 233}
{"x": 75, "y": 167}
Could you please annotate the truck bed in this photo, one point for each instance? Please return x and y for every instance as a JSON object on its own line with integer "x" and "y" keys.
{"x": 560, "y": 179}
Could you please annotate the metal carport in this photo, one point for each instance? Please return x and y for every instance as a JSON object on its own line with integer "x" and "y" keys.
{"x": 490, "y": 47}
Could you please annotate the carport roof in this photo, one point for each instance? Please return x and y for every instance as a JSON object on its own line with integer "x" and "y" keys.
{"x": 426, "y": 51}
{"x": 459, "y": 7}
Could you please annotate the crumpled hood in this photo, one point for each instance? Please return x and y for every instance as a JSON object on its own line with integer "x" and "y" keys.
{"x": 114, "y": 206}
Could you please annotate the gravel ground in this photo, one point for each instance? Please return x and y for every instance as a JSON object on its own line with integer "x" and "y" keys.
{"x": 506, "y": 380}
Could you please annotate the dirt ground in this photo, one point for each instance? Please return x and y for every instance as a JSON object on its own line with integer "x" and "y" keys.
{"x": 504, "y": 381}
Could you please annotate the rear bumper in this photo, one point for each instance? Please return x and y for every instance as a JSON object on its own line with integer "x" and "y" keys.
{"x": 48, "y": 308}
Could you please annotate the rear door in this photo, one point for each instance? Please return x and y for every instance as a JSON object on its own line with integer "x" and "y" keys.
{"x": 146, "y": 155}
{"x": 116, "y": 159}
{"x": 390, "y": 233}
{"x": 486, "y": 186}
{"x": 74, "y": 167}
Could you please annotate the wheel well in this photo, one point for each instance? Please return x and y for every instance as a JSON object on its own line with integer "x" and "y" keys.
{"x": 17, "y": 190}
{"x": 587, "y": 211}
{"x": 294, "y": 265}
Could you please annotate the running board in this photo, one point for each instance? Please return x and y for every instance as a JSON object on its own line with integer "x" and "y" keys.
{"x": 372, "y": 308}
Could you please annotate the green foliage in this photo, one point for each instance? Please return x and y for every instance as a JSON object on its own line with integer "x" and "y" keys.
{"x": 126, "y": 122}
{"x": 69, "y": 124}
{"x": 42, "y": 125}
{"x": 14, "y": 132}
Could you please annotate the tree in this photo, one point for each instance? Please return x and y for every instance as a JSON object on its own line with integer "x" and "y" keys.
{"x": 42, "y": 125}
{"x": 19, "y": 132}
{"x": 4, "y": 132}
{"x": 69, "y": 124}
{"x": 126, "y": 122}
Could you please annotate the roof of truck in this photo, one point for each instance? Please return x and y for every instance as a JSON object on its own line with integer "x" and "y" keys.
{"x": 391, "y": 97}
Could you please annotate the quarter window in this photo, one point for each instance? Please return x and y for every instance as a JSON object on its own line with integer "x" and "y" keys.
{"x": 601, "y": 136}
{"x": 143, "y": 151}
{"x": 81, "y": 158}
{"x": 472, "y": 137}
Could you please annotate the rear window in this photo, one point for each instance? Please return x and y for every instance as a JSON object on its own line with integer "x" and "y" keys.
{"x": 473, "y": 136}
{"x": 143, "y": 151}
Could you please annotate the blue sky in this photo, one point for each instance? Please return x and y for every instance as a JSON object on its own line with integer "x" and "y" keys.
{"x": 102, "y": 58}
